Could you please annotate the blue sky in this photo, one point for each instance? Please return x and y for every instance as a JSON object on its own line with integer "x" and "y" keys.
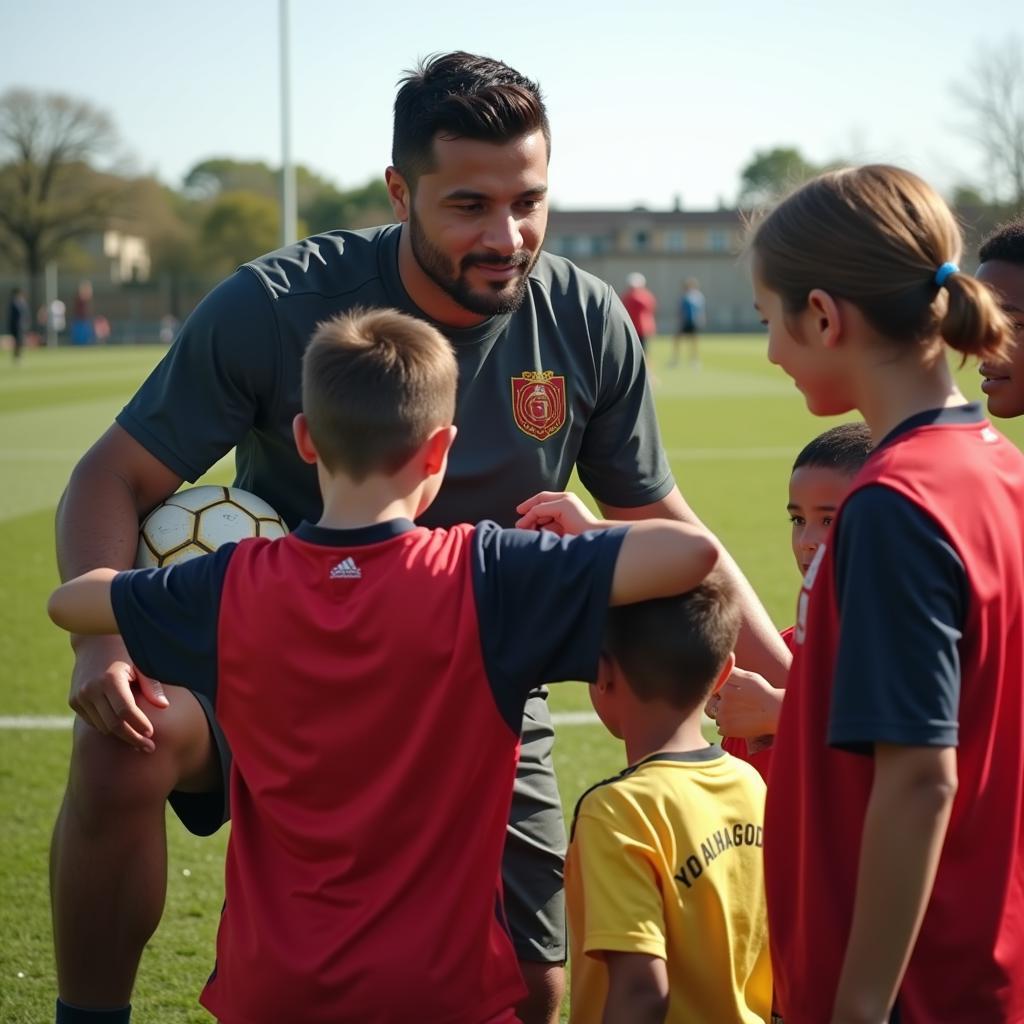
{"x": 647, "y": 100}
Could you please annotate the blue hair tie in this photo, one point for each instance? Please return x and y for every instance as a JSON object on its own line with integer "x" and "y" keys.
{"x": 944, "y": 271}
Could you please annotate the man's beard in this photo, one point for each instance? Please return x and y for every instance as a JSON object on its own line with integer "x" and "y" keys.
{"x": 498, "y": 297}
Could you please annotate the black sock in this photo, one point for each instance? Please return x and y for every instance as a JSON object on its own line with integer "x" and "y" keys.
{"x": 68, "y": 1014}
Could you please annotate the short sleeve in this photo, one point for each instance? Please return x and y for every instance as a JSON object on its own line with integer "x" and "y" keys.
{"x": 622, "y": 901}
{"x": 542, "y": 603}
{"x": 213, "y": 384}
{"x": 902, "y": 596}
{"x": 168, "y": 619}
{"x": 621, "y": 460}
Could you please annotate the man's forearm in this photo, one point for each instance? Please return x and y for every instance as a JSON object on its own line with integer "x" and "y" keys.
{"x": 904, "y": 829}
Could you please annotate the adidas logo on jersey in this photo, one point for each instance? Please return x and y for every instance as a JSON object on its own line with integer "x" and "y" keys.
{"x": 346, "y": 570}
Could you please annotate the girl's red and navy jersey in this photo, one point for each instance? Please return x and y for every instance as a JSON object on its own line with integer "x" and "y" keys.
{"x": 910, "y": 631}
{"x": 371, "y": 685}
{"x": 761, "y": 756}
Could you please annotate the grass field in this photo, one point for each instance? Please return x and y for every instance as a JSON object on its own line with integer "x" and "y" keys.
{"x": 731, "y": 431}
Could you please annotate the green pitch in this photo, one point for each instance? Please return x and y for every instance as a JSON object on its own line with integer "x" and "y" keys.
{"x": 731, "y": 429}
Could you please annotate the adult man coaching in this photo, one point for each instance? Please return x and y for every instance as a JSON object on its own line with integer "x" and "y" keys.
{"x": 551, "y": 376}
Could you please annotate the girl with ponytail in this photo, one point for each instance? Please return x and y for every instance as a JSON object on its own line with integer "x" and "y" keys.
{"x": 894, "y": 835}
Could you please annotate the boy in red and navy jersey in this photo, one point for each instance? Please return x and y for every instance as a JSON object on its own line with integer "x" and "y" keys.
{"x": 363, "y": 872}
{"x": 822, "y": 474}
{"x": 944, "y": 669}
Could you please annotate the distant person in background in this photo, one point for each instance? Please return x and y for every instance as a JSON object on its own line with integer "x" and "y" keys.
{"x": 168, "y": 328}
{"x": 691, "y": 321}
{"x": 54, "y": 318}
{"x": 101, "y": 329}
{"x": 641, "y": 305}
{"x": 81, "y": 316}
{"x": 17, "y": 320}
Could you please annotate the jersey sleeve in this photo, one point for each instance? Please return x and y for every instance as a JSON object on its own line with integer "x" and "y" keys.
{"x": 902, "y": 596}
{"x": 621, "y": 461}
{"x": 213, "y": 384}
{"x": 542, "y": 603}
{"x": 622, "y": 901}
{"x": 168, "y": 619}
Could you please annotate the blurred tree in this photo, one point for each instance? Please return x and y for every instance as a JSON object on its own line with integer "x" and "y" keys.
{"x": 238, "y": 227}
{"x": 318, "y": 200}
{"x": 771, "y": 173}
{"x": 357, "y": 208}
{"x": 49, "y": 193}
{"x": 994, "y": 100}
{"x": 170, "y": 224}
{"x": 209, "y": 178}
{"x": 967, "y": 195}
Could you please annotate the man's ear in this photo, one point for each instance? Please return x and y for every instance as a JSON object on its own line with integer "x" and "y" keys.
{"x": 824, "y": 317}
{"x": 303, "y": 442}
{"x": 399, "y": 194}
{"x": 436, "y": 447}
{"x": 730, "y": 664}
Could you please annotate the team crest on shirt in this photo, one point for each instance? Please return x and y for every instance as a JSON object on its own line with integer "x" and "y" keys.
{"x": 538, "y": 403}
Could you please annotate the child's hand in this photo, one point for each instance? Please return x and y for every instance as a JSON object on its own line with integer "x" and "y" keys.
{"x": 103, "y": 692}
{"x": 559, "y": 511}
{"x": 747, "y": 705}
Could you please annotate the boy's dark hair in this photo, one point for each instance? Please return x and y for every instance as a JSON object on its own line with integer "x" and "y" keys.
{"x": 461, "y": 95}
{"x": 672, "y": 648}
{"x": 844, "y": 448}
{"x": 1005, "y": 243}
{"x": 374, "y": 385}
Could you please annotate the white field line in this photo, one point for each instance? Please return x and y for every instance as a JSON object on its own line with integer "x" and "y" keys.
{"x": 54, "y": 723}
{"x": 724, "y": 454}
{"x": 57, "y": 722}
{"x": 46, "y": 722}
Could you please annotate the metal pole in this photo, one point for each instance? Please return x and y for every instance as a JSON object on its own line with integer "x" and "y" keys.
{"x": 51, "y": 295}
{"x": 288, "y": 206}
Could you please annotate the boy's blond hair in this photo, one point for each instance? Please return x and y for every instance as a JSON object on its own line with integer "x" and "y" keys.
{"x": 375, "y": 384}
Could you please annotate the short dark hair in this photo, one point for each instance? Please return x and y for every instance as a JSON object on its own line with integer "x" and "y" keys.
{"x": 844, "y": 448}
{"x": 461, "y": 95}
{"x": 1006, "y": 243}
{"x": 673, "y": 648}
{"x": 374, "y": 385}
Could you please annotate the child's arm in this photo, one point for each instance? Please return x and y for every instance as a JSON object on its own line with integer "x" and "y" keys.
{"x": 82, "y": 605}
{"x": 904, "y": 829}
{"x": 637, "y": 989}
{"x": 658, "y": 557}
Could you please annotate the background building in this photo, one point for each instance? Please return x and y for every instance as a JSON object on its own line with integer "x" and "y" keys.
{"x": 667, "y": 247}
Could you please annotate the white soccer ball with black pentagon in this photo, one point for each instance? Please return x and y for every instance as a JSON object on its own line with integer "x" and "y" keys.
{"x": 198, "y": 520}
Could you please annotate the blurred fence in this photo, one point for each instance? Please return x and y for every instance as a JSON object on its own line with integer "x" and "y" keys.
{"x": 137, "y": 313}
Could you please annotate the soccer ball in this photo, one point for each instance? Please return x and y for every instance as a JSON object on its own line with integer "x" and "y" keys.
{"x": 198, "y": 520}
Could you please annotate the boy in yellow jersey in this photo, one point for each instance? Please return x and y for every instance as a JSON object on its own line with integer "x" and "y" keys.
{"x": 663, "y": 880}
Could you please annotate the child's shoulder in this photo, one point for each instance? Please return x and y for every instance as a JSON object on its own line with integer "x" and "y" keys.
{"x": 665, "y": 777}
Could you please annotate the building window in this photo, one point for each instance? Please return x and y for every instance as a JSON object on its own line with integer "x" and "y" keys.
{"x": 675, "y": 241}
{"x": 641, "y": 239}
{"x": 718, "y": 240}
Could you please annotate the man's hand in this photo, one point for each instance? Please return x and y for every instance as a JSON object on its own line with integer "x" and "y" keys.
{"x": 103, "y": 691}
{"x": 559, "y": 511}
{"x": 747, "y": 705}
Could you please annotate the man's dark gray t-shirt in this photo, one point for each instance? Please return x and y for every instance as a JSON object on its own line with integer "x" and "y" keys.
{"x": 560, "y": 382}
